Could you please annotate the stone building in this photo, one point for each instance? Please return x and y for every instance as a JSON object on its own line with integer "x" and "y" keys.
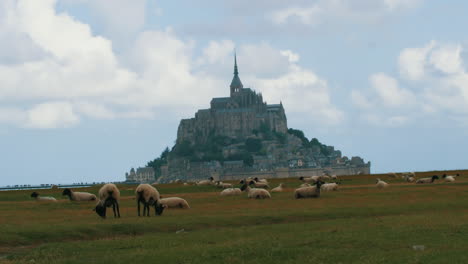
{"x": 141, "y": 175}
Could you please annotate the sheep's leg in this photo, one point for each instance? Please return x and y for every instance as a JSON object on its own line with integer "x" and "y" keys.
{"x": 138, "y": 202}
{"x": 118, "y": 211}
{"x": 113, "y": 208}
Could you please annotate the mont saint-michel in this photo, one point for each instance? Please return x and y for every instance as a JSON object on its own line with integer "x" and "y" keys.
{"x": 243, "y": 136}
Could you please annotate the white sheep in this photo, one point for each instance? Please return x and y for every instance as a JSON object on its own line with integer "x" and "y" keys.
{"x": 329, "y": 187}
{"x": 174, "y": 202}
{"x": 210, "y": 181}
{"x": 259, "y": 184}
{"x": 243, "y": 181}
{"x": 256, "y": 193}
{"x": 308, "y": 192}
{"x": 223, "y": 185}
{"x": 260, "y": 180}
{"x": 36, "y": 196}
{"x": 449, "y": 178}
{"x": 312, "y": 179}
{"x": 231, "y": 192}
{"x": 324, "y": 178}
{"x": 381, "y": 184}
{"x": 305, "y": 185}
{"x": 109, "y": 195}
{"x": 149, "y": 196}
{"x": 427, "y": 180}
{"x": 280, "y": 188}
{"x": 79, "y": 196}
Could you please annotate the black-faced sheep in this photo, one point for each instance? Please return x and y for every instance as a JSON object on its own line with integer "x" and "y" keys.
{"x": 259, "y": 184}
{"x": 36, "y": 196}
{"x": 427, "y": 180}
{"x": 381, "y": 184}
{"x": 109, "y": 195}
{"x": 280, "y": 188}
{"x": 231, "y": 192}
{"x": 260, "y": 180}
{"x": 449, "y": 178}
{"x": 149, "y": 196}
{"x": 223, "y": 185}
{"x": 79, "y": 196}
{"x": 174, "y": 202}
{"x": 308, "y": 192}
{"x": 311, "y": 179}
{"x": 210, "y": 181}
{"x": 255, "y": 193}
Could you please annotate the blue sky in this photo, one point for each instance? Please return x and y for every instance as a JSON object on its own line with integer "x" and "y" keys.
{"x": 91, "y": 88}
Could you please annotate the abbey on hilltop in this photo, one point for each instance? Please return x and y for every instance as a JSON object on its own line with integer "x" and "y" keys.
{"x": 242, "y": 136}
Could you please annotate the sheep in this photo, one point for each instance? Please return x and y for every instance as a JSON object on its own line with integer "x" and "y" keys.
{"x": 309, "y": 179}
{"x": 305, "y": 185}
{"x": 79, "y": 196}
{"x": 329, "y": 187}
{"x": 149, "y": 196}
{"x": 259, "y": 184}
{"x": 427, "y": 180}
{"x": 449, "y": 178}
{"x": 324, "y": 178}
{"x": 308, "y": 192}
{"x": 231, "y": 192}
{"x": 109, "y": 195}
{"x": 243, "y": 181}
{"x": 409, "y": 177}
{"x": 206, "y": 182}
{"x": 279, "y": 188}
{"x": 36, "y": 196}
{"x": 334, "y": 177}
{"x": 223, "y": 185}
{"x": 392, "y": 175}
{"x": 260, "y": 180}
{"x": 381, "y": 184}
{"x": 255, "y": 193}
{"x": 174, "y": 202}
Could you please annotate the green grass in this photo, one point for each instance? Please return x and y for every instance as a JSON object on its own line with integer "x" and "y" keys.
{"x": 357, "y": 224}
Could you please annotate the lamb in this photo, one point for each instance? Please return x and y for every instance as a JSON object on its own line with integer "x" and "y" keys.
{"x": 449, "y": 178}
{"x": 206, "y": 182}
{"x": 308, "y": 192}
{"x": 149, "y": 196}
{"x": 381, "y": 184}
{"x": 79, "y": 196}
{"x": 174, "y": 202}
{"x": 329, "y": 187}
{"x": 427, "y": 180}
{"x": 36, "y": 196}
{"x": 109, "y": 195}
{"x": 279, "y": 188}
{"x": 312, "y": 179}
{"x": 231, "y": 192}
{"x": 255, "y": 193}
{"x": 260, "y": 180}
{"x": 259, "y": 184}
{"x": 223, "y": 185}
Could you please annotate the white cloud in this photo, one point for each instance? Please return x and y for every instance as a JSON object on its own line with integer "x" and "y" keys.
{"x": 51, "y": 115}
{"x": 412, "y": 61}
{"x": 447, "y": 59}
{"x": 305, "y": 15}
{"x": 389, "y": 92}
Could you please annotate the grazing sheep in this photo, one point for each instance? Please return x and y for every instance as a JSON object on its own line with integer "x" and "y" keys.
{"x": 255, "y": 193}
{"x": 36, "y": 196}
{"x": 259, "y": 184}
{"x": 174, "y": 202}
{"x": 312, "y": 179}
{"x": 231, "y": 192}
{"x": 308, "y": 192}
{"x": 329, "y": 187}
{"x": 279, "y": 188}
{"x": 223, "y": 185}
{"x": 79, "y": 196}
{"x": 206, "y": 182}
{"x": 109, "y": 195}
{"x": 427, "y": 180}
{"x": 149, "y": 196}
{"x": 448, "y": 178}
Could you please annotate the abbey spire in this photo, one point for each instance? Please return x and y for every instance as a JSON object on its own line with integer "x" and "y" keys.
{"x": 236, "y": 84}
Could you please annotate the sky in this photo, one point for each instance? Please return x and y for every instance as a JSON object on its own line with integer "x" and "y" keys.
{"x": 92, "y": 88}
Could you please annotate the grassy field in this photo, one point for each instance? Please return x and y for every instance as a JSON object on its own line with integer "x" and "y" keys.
{"x": 357, "y": 224}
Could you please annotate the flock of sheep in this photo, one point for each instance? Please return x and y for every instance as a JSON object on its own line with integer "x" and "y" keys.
{"x": 148, "y": 196}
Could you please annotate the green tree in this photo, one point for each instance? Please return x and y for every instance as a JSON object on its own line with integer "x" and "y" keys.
{"x": 253, "y": 145}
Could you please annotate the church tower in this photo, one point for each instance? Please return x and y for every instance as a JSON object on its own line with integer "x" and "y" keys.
{"x": 236, "y": 84}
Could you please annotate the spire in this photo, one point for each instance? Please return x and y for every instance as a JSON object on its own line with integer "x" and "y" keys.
{"x": 236, "y": 72}
{"x": 236, "y": 84}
